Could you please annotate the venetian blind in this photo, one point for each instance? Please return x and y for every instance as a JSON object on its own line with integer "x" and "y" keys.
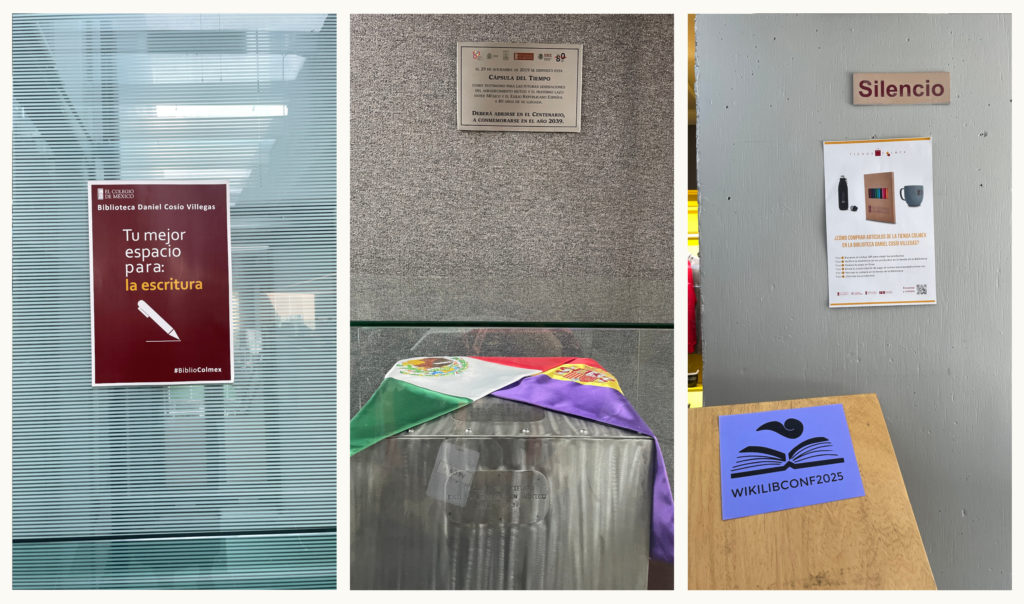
{"x": 192, "y": 485}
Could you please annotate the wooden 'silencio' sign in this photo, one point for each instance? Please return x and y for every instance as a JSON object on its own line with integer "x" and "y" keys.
{"x": 923, "y": 88}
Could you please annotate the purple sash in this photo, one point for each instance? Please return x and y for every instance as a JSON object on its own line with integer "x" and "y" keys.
{"x": 607, "y": 406}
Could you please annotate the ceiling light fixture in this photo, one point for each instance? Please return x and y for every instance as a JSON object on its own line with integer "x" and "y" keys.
{"x": 201, "y": 111}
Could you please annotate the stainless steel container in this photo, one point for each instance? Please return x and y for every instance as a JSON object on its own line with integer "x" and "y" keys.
{"x": 502, "y": 495}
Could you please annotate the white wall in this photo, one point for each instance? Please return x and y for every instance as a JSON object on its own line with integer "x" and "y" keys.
{"x": 770, "y": 89}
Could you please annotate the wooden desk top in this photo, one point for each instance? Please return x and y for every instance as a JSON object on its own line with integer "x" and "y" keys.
{"x": 869, "y": 542}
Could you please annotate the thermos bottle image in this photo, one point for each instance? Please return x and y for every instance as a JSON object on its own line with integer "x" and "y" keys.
{"x": 844, "y": 197}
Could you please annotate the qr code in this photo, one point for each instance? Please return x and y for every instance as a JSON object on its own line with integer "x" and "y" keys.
{"x": 922, "y": 289}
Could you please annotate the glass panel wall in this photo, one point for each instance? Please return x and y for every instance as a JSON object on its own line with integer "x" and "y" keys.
{"x": 191, "y": 486}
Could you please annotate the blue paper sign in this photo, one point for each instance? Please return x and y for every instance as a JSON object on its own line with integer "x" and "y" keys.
{"x": 777, "y": 460}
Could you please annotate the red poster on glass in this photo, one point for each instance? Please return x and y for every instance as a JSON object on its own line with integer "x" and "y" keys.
{"x": 160, "y": 269}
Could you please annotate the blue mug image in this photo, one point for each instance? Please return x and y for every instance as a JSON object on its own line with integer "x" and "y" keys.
{"x": 914, "y": 195}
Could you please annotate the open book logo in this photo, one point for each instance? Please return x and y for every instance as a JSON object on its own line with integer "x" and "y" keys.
{"x": 754, "y": 460}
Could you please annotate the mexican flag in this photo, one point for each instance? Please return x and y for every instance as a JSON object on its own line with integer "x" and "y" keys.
{"x": 418, "y": 390}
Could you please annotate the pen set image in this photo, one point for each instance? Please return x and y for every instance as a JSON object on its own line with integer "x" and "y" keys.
{"x": 148, "y": 312}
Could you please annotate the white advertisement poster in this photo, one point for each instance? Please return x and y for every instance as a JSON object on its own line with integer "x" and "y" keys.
{"x": 879, "y": 222}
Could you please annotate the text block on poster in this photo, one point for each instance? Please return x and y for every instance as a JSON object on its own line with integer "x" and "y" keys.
{"x": 160, "y": 269}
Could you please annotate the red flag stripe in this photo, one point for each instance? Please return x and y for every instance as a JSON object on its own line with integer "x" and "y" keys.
{"x": 588, "y": 362}
{"x": 537, "y": 363}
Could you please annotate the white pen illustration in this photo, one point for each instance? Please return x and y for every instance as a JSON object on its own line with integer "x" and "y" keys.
{"x": 148, "y": 312}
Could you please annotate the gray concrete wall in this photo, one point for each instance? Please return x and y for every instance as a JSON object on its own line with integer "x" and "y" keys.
{"x": 511, "y": 226}
{"x": 770, "y": 89}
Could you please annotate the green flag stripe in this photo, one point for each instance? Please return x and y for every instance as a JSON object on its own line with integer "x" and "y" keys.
{"x": 395, "y": 407}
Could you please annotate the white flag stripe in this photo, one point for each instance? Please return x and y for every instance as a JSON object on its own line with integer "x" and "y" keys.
{"x": 477, "y": 379}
